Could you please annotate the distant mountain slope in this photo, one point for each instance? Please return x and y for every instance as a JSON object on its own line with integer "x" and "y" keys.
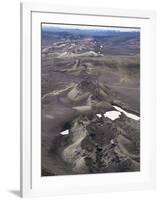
{"x": 89, "y": 32}
{"x": 109, "y": 42}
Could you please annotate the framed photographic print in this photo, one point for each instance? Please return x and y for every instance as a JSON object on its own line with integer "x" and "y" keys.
{"x": 87, "y": 100}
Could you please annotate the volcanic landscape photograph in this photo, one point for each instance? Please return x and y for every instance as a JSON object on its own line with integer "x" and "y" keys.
{"x": 90, "y": 99}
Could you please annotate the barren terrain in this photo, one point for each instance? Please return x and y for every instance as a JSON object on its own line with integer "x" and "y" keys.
{"x": 88, "y": 78}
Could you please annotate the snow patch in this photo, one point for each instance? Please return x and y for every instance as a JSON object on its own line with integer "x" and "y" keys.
{"x": 112, "y": 114}
{"x": 116, "y": 114}
{"x": 130, "y": 115}
{"x": 99, "y": 115}
{"x": 66, "y": 132}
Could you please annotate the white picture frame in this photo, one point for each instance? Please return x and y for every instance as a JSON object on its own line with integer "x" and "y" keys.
{"x": 32, "y": 184}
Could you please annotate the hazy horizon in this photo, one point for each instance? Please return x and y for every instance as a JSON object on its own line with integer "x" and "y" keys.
{"x": 46, "y": 26}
